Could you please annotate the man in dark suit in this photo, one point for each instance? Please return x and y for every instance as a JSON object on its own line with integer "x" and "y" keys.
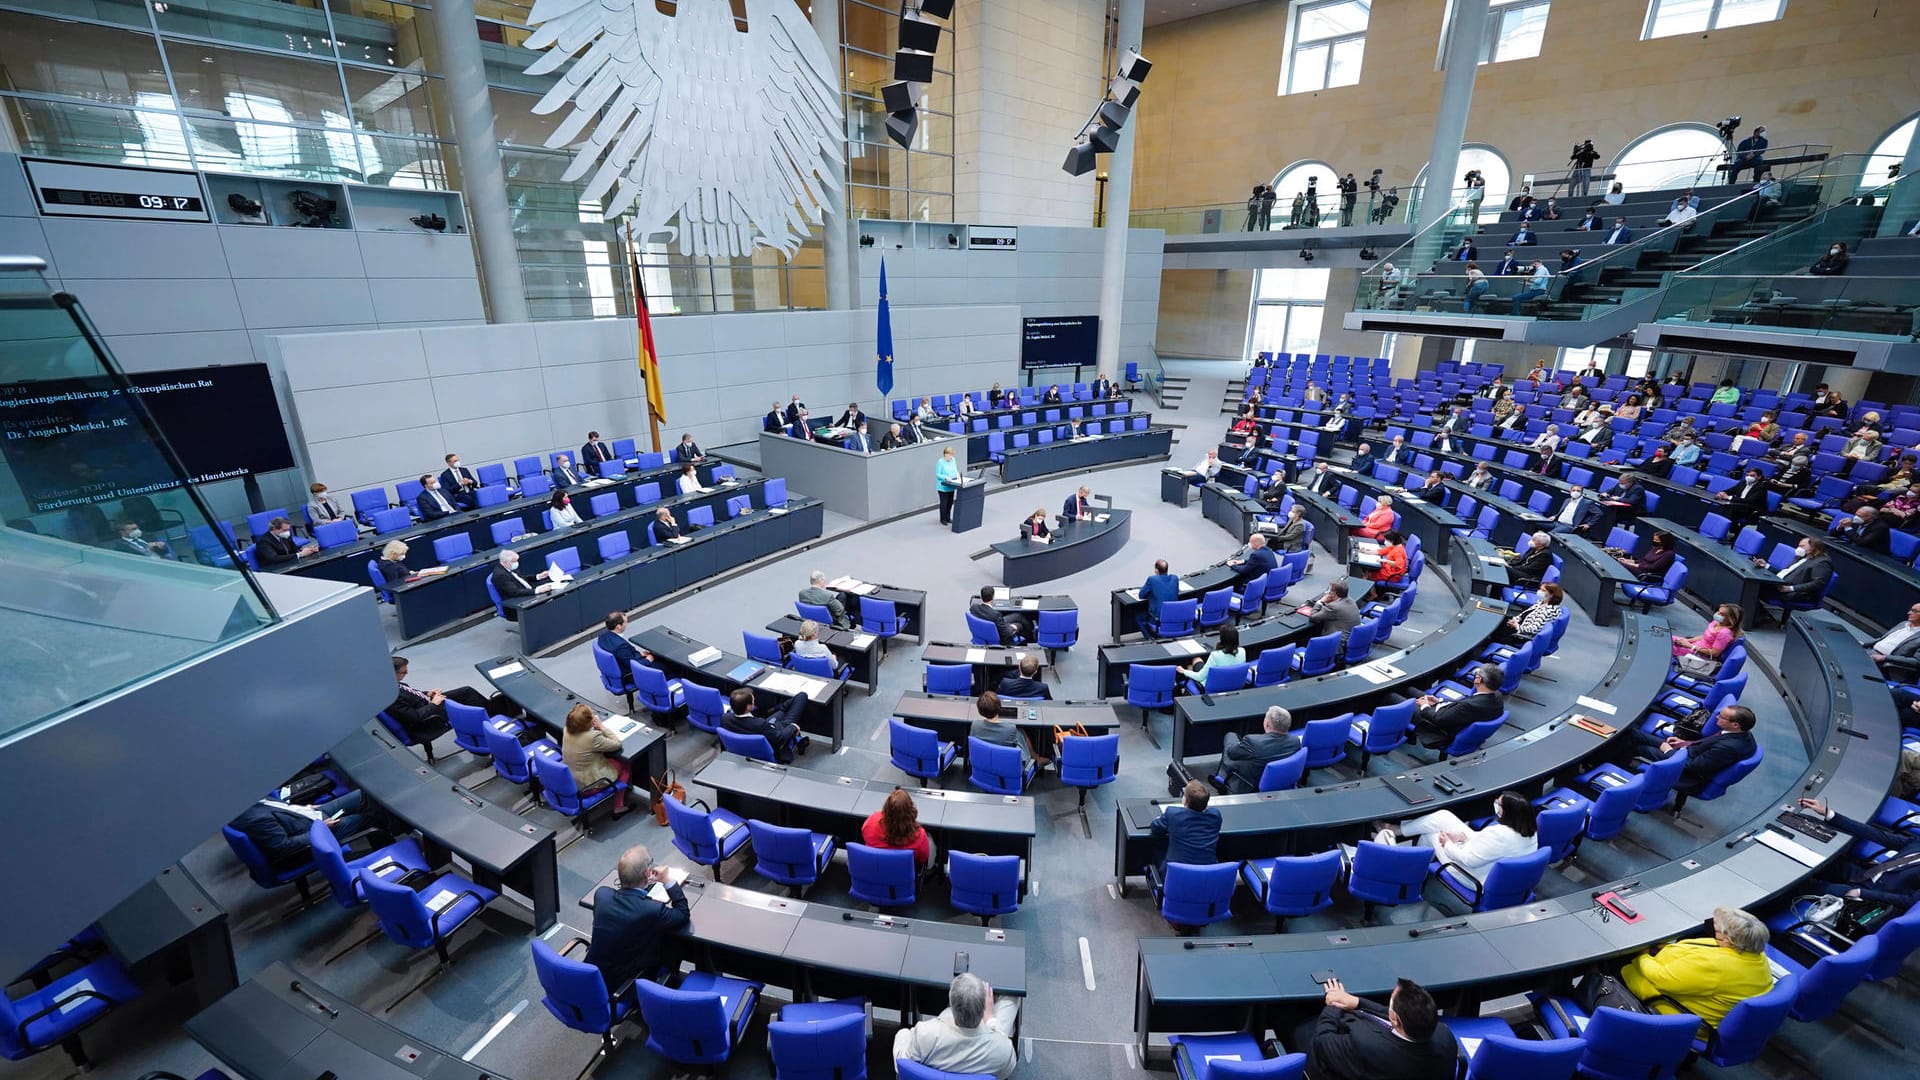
{"x": 1324, "y": 481}
{"x": 666, "y": 527}
{"x": 423, "y": 713}
{"x": 614, "y": 641}
{"x": 1630, "y": 498}
{"x": 1747, "y": 499}
{"x": 129, "y": 540}
{"x": 1577, "y": 514}
{"x": 1437, "y": 720}
{"x": 780, "y": 727}
{"x": 1866, "y": 528}
{"x": 1750, "y": 154}
{"x": 1433, "y": 490}
{"x": 458, "y": 483}
{"x": 1052, "y": 396}
{"x": 1102, "y": 387}
{"x": 799, "y": 428}
{"x": 1619, "y": 234}
{"x": 892, "y": 438}
{"x": 278, "y": 548}
{"x": 911, "y": 431}
{"x": 594, "y": 452}
{"x": 1508, "y": 264}
{"x": 688, "y": 451}
{"x": 1160, "y": 588}
{"x": 1898, "y": 653}
{"x": 1531, "y": 563}
{"x": 433, "y": 502}
{"x": 1246, "y": 756}
{"x": 1804, "y": 578}
{"x": 1355, "y": 1039}
{"x": 795, "y": 409}
{"x": 1399, "y": 453}
{"x": 1494, "y": 390}
{"x": 1707, "y": 757}
{"x": 1026, "y": 682}
{"x": 1894, "y": 881}
{"x": 564, "y": 474}
{"x": 1010, "y": 626}
{"x": 282, "y": 830}
{"x": 1191, "y": 831}
{"x": 858, "y": 441}
{"x": 632, "y": 930}
{"x": 511, "y": 586}
{"x": 1363, "y": 458}
{"x": 775, "y": 420}
{"x": 1076, "y": 507}
{"x": 1260, "y": 559}
{"x": 1526, "y": 237}
{"x": 852, "y": 418}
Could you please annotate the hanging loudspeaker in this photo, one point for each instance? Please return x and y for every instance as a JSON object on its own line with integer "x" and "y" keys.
{"x": 1080, "y": 159}
{"x": 901, "y": 126}
{"x": 939, "y": 9}
{"x": 911, "y": 66}
{"x": 919, "y": 35}
{"x": 1114, "y": 115}
{"x": 897, "y": 96}
{"x": 1105, "y": 139}
{"x": 1134, "y": 67}
{"x": 1124, "y": 92}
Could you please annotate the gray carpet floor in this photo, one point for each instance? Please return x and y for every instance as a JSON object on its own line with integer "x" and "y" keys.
{"x": 491, "y": 994}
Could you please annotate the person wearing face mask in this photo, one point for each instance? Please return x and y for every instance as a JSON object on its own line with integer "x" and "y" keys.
{"x": 1324, "y": 481}
{"x": 1865, "y": 528}
{"x": 278, "y": 548}
{"x": 560, "y": 510}
{"x": 1747, "y": 499}
{"x": 1577, "y": 514}
{"x": 432, "y": 503}
{"x": 1711, "y": 643}
{"x": 322, "y": 508}
{"x": 131, "y": 540}
{"x": 1833, "y": 262}
{"x": 1509, "y": 834}
{"x": 688, "y": 451}
{"x": 511, "y": 585}
{"x": 564, "y": 474}
{"x": 459, "y": 484}
{"x": 1804, "y": 578}
{"x": 1480, "y": 479}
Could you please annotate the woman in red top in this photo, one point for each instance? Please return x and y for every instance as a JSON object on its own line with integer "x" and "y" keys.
{"x": 896, "y": 825}
{"x": 1378, "y": 520}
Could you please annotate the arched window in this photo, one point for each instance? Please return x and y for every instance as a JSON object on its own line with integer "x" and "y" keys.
{"x": 1292, "y": 181}
{"x": 1675, "y": 156}
{"x": 1493, "y": 169}
{"x": 1888, "y": 152}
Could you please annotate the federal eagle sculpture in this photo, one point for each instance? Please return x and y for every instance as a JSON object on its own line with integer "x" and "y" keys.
{"x": 738, "y": 135}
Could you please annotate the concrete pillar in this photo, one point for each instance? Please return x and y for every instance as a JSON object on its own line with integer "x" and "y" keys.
{"x": 835, "y": 229}
{"x": 1461, "y": 62}
{"x": 1113, "y": 261}
{"x": 9, "y": 144}
{"x": 1904, "y": 205}
{"x": 484, "y": 182}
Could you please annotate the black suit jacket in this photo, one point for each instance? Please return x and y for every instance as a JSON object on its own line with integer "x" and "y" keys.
{"x": 1361, "y": 1046}
{"x": 430, "y": 509}
{"x": 1871, "y": 535}
{"x": 1900, "y": 886}
{"x": 793, "y": 411}
{"x": 1246, "y": 758}
{"x": 687, "y": 453}
{"x": 1706, "y": 758}
{"x": 271, "y": 551}
{"x": 1074, "y": 506}
{"x": 417, "y": 713}
{"x": 1747, "y": 503}
{"x": 1364, "y": 462}
{"x": 1014, "y": 684}
{"x": 1030, "y": 527}
{"x": 801, "y": 430}
{"x": 1102, "y": 388}
{"x": 1432, "y": 493}
{"x": 1507, "y": 266}
{"x": 509, "y": 587}
{"x": 630, "y": 931}
{"x": 1527, "y": 567}
{"x": 1324, "y": 483}
{"x": 773, "y": 421}
{"x": 664, "y": 531}
{"x": 455, "y": 480}
{"x": 1809, "y": 579}
{"x": 849, "y": 419}
{"x": 623, "y": 650}
{"x": 1450, "y": 718}
{"x": 279, "y": 834}
{"x": 888, "y": 441}
{"x": 780, "y": 732}
{"x": 593, "y": 453}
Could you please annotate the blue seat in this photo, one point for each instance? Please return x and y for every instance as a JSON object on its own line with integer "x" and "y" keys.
{"x": 1510, "y": 881}
{"x": 1058, "y": 629}
{"x": 534, "y": 487}
{"x": 819, "y": 1040}
{"x": 561, "y": 792}
{"x": 984, "y": 885}
{"x": 402, "y": 736}
{"x": 984, "y": 633}
{"x": 822, "y": 666}
{"x": 950, "y": 679}
{"x": 918, "y": 751}
{"x": 1150, "y": 687}
{"x": 615, "y": 677}
{"x": 333, "y": 534}
{"x": 908, "y": 1069}
{"x": 1177, "y": 619}
{"x": 1824, "y": 987}
{"x": 1325, "y": 741}
{"x": 1557, "y": 829}
{"x": 1661, "y": 595}
{"x": 263, "y": 873}
{"x": 1284, "y": 774}
{"x": 379, "y": 581}
{"x": 1215, "y": 607}
{"x": 448, "y": 549}
{"x": 819, "y": 613}
{"x": 391, "y": 520}
{"x": 1386, "y": 874}
{"x": 996, "y": 768}
{"x": 765, "y": 647}
{"x": 1087, "y": 762}
{"x": 706, "y": 837}
{"x": 752, "y": 747}
{"x": 1194, "y": 894}
{"x": 394, "y": 862}
{"x": 701, "y": 516}
{"x": 705, "y": 706}
{"x": 1473, "y": 736}
{"x": 879, "y": 618}
{"x": 1656, "y": 780}
{"x": 56, "y": 1014}
{"x": 567, "y": 559}
{"x": 407, "y": 919}
{"x": 883, "y": 877}
{"x": 1359, "y": 643}
{"x": 1294, "y": 885}
{"x": 493, "y": 594}
{"x": 1386, "y": 729}
{"x": 1225, "y": 678}
{"x": 368, "y": 502}
{"x": 1742, "y": 1034}
{"x": 614, "y": 545}
{"x": 470, "y": 723}
{"x": 503, "y": 532}
{"x": 1274, "y": 666}
{"x": 1229, "y": 1057}
{"x": 1718, "y": 784}
{"x": 577, "y": 995}
{"x": 1621, "y": 1045}
{"x": 701, "y": 1021}
{"x": 1319, "y": 656}
{"x": 1500, "y": 1055}
{"x": 513, "y": 762}
{"x": 791, "y": 857}
{"x": 657, "y": 694}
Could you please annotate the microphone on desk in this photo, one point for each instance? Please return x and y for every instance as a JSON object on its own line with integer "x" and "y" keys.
{"x": 1418, "y": 930}
{"x": 1850, "y": 731}
{"x": 1236, "y": 944}
{"x": 1748, "y": 835}
{"x": 303, "y": 992}
{"x": 1618, "y": 890}
{"x": 1817, "y": 777}
{"x": 871, "y": 920}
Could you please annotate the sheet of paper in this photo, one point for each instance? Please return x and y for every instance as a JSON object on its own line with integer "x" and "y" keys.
{"x": 658, "y": 893}
{"x": 721, "y": 828}
{"x": 1211, "y": 1058}
{"x": 776, "y": 511}
{"x": 1029, "y": 605}
{"x": 1100, "y": 519}
{"x": 1791, "y": 848}
{"x": 622, "y": 726}
{"x": 440, "y": 900}
{"x": 1596, "y": 705}
{"x": 76, "y": 995}
{"x": 1135, "y": 593}
{"x": 864, "y": 589}
{"x": 843, "y": 583}
{"x": 1002, "y": 594}
{"x": 861, "y": 641}
{"x": 704, "y": 657}
{"x": 1187, "y": 586}
{"x": 505, "y": 670}
{"x": 1372, "y": 674}
{"x": 1190, "y": 647}
{"x": 677, "y": 539}
{"x": 976, "y": 656}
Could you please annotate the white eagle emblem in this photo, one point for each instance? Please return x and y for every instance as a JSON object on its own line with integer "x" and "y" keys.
{"x": 739, "y": 135}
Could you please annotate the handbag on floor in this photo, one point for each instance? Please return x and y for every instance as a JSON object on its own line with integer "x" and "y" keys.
{"x": 662, "y": 787}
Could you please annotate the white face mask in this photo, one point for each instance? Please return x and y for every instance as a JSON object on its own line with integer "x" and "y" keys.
{"x": 1800, "y": 551}
{"x": 134, "y": 534}
{"x": 511, "y": 567}
{"x": 1833, "y": 251}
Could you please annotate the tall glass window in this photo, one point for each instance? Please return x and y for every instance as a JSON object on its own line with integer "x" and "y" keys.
{"x": 1288, "y": 305}
{"x": 1292, "y": 209}
{"x": 1329, "y": 38}
{"x": 1666, "y": 18}
{"x": 1514, "y": 30}
{"x": 1677, "y": 156}
{"x": 1887, "y": 153}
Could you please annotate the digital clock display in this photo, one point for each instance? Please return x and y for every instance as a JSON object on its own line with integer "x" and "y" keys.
{"x": 123, "y": 200}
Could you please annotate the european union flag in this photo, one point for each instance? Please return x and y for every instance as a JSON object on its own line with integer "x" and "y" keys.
{"x": 883, "y": 366}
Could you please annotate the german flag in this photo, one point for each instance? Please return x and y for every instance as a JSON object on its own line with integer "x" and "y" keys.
{"x": 649, "y": 356}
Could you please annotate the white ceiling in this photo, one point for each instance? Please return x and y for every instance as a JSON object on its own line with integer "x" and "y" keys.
{"x": 1166, "y": 11}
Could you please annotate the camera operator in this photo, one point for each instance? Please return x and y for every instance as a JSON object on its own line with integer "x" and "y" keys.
{"x": 1580, "y": 180}
{"x": 1750, "y": 154}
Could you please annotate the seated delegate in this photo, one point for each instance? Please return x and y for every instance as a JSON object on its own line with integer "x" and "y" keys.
{"x": 1224, "y": 654}
{"x": 1704, "y": 976}
{"x": 781, "y": 727}
{"x": 1509, "y": 834}
{"x": 1024, "y": 682}
{"x": 1356, "y": 1039}
{"x": 896, "y": 827}
{"x": 590, "y": 753}
{"x": 1246, "y": 756}
{"x": 1035, "y": 527}
{"x": 635, "y": 921}
{"x": 972, "y": 1036}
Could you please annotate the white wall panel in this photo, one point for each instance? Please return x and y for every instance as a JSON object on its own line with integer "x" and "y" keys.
{"x": 161, "y": 352}
{"x": 470, "y": 350}
{"x": 274, "y": 303}
{"x": 426, "y": 299}
{"x": 351, "y": 411}
{"x": 108, "y": 248}
{"x": 263, "y": 252}
{"x": 316, "y": 361}
{"x": 158, "y": 306}
{"x": 578, "y": 384}
{"x": 495, "y": 393}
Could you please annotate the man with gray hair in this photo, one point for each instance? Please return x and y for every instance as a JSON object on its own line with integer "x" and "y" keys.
{"x": 1437, "y": 720}
{"x": 1530, "y": 563}
{"x": 510, "y": 585}
{"x": 1247, "y": 756}
{"x": 974, "y": 1034}
{"x": 633, "y": 921}
{"x": 816, "y": 592}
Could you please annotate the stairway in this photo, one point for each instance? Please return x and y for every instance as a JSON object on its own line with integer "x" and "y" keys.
{"x": 1621, "y": 285}
{"x": 1173, "y": 390}
{"x": 1236, "y": 393}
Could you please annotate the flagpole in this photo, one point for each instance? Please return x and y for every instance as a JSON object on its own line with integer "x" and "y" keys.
{"x": 639, "y": 334}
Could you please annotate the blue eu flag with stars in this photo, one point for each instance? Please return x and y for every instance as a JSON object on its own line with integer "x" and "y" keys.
{"x": 883, "y": 365}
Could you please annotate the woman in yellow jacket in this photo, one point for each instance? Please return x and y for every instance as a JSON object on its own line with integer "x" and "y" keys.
{"x": 1704, "y": 976}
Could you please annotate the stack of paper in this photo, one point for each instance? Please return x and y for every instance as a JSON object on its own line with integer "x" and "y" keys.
{"x": 704, "y": 657}
{"x": 440, "y": 900}
{"x": 505, "y": 670}
{"x": 1100, "y": 519}
{"x": 1596, "y": 705}
{"x": 861, "y": 641}
{"x": 976, "y": 656}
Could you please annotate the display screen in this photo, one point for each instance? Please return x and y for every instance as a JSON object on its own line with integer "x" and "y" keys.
{"x": 1059, "y": 341}
{"x": 74, "y": 441}
{"x": 122, "y": 200}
